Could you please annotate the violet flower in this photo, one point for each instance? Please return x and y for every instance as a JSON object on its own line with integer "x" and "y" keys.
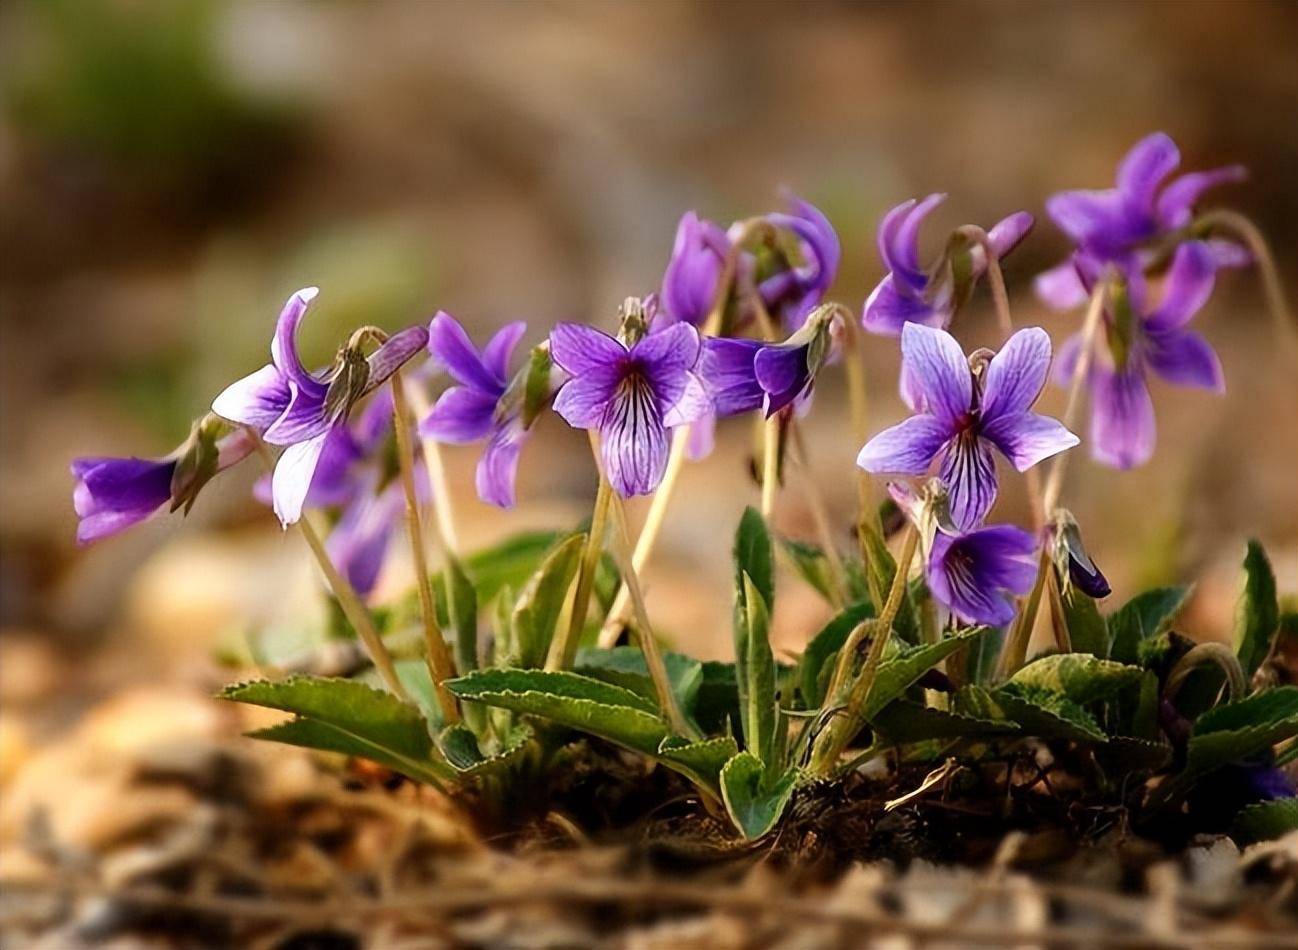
{"x": 631, "y": 395}
{"x": 974, "y": 574}
{"x": 477, "y": 409}
{"x": 1141, "y": 337}
{"x": 797, "y": 288}
{"x": 1140, "y": 210}
{"x": 690, "y": 281}
{"x": 930, "y": 295}
{"x": 961, "y": 417}
{"x": 297, "y": 409}
{"x": 358, "y": 543}
{"x": 743, "y": 375}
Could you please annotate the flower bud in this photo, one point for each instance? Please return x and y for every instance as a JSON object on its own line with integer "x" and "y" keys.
{"x": 1073, "y": 565}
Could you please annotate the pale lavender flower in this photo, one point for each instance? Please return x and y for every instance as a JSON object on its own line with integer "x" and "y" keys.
{"x": 975, "y": 573}
{"x": 1139, "y": 211}
{"x": 358, "y": 543}
{"x": 298, "y": 409}
{"x": 961, "y": 417}
{"x": 476, "y": 409}
{"x": 632, "y": 395}
{"x": 913, "y": 292}
{"x": 1140, "y": 337}
{"x": 690, "y": 281}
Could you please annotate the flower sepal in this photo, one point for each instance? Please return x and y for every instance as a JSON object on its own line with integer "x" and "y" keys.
{"x": 214, "y": 444}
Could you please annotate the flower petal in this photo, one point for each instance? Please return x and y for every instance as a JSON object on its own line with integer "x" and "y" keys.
{"x": 963, "y": 574}
{"x": 103, "y": 524}
{"x": 499, "y": 349}
{"x": 666, "y": 355}
{"x": 634, "y": 446}
{"x": 888, "y": 309}
{"x": 940, "y": 370}
{"x": 1060, "y": 288}
{"x": 396, "y": 351}
{"x": 1143, "y": 169}
{"x": 1070, "y": 352}
{"x": 583, "y": 351}
{"x": 1188, "y": 286}
{"x": 781, "y": 371}
{"x": 121, "y": 484}
{"x": 727, "y": 369}
{"x": 462, "y": 414}
{"x": 1176, "y": 202}
{"x": 1028, "y": 438}
{"x": 1093, "y": 219}
{"x": 283, "y": 347}
{"x": 693, "y": 404}
{"x": 1185, "y": 358}
{"x": 256, "y": 400}
{"x": 702, "y": 438}
{"x": 451, "y": 347}
{"x": 293, "y": 475}
{"x": 690, "y": 280}
{"x": 583, "y": 402}
{"x": 497, "y": 470}
{"x": 907, "y": 448}
{"x": 899, "y": 240}
{"x": 303, "y": 419}
{"x": 1122, "y": 417}
{"x": 969, "y": 470}
{"x": 1017, "y": 374}
{"x": 1007, "y": 233}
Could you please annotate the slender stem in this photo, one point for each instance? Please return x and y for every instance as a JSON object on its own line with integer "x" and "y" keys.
{"x": 1251, "y": 235}
{"x": 1058, "y": 616}
{"x": 1090, "y": 329}
{"x": 353, "y": 609}
{"x": 816, "y": 502}
{"x": 563, "y": 649}
{"x": 443, "y": 504}
{"x": 441, "y": 666}
{"x": 1015, "y": 650}
{"x": 868, "y": 525}
{"x": 770, "y": 464}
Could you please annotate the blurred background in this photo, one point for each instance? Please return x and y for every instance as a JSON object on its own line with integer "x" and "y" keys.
{"x": 170, "y": 172}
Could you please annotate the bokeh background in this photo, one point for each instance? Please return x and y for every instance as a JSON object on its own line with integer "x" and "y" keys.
{"x": 169, "y": 172}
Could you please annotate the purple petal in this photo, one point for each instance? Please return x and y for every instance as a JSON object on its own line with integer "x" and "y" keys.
{"x": 702, "y": 438}
{"x": 727, "y": 369}
{"x": 1143, "y": 169}
{"x": 668, "y": 354}
{"x": 634, "y": 446}
{"x": 899, "y": 240}
{"x": 462, "y": 414}
{"x": 907, "y": 448}
{"x": 583, "y": 402}
{"x": 693, "y": 404}
{"x": 359, "y": 542}
{"x": 112, "y": 494}
{"x": 283, "y": 347}
{"x": 971, "y": 574}
{"x": 1185, "y": 358}
{"x": 941, "y": 373}
{"x": 372, "y": 426}
{"x": 293, "y": 475}
{"x": 888, "y": 310}
{"x": 256, "y": 400}
{"x": 1097, "y": 219}
{"x": 498, "y": 468}
{"x": 1227, "y": 253}
{"x": 1188, "y": 286}
{"x": 303, "y": 419}
{"x": 969, "y": 470}
{"x": 1017, "y": 374}
{"x": 451, "y": 347}
{"x": 1028, "y": 438}
{"x": 104, "y": 524}
{"x": 908, "y": 388}
{"x": 584, "y": 352}
{"x": 395, "y": 352}
{"x": 334, "y": 482}
{"x": 1122, "y": 417}
{"x": 499, "y": 349}
{"x": 1177, "y": 201}
{"x": 1060, "y": 288}
{"x": 782, "y": 373}
{"x": 1007, "y": 233}
{"x": 690, "y": 280}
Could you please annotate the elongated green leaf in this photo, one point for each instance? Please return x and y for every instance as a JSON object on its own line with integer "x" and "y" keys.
{"x": 822, "y": 647}
{"x": 462, "y": 615}
{"x": 346, "y": 716}
{"x": 626, "y": 667}
{"x": 1080, "y": 676}
{"x": 902, "y": 722}
{"x": 1086, "y": 627}
{"x": 716, "y": 705}
{"x": 812, "y": 566}
{"x": 753, "y": 800}
{"x": 762, "y": 703}
{"x": 541, "y": 601}
{"x": 981, "y": 657}
{"x": 1265, "y": 821}
{"x": 702, "y": 761}
{"x": 898, "y": 674}
{"x": 1048, "y": 714}
{"x": 1258, "y": 613}
{"x": 754, "y": 556}
{"x": 462, "y": 750}
{"x": 1142, "y": 618}
{"x": 572, "y": 700}
{"x": 879, "y": 572}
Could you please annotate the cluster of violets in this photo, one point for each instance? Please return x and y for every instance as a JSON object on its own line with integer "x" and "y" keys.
{"x": 741, "y": 325}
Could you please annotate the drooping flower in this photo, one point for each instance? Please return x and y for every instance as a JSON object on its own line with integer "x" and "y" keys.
{"x": 973, "y": 573}
{"x": 1139, "y": 337}
{"x": 632, "y": 395}
{"x": 690, "y": 281}
{"x": 930, "y": 295}
{"x": 112, "y": 494}
{"x": 799, "y": 282}
{"x": 485, "y": 404}
{"x": 1139, "y": 211}
{"x": 298, "y": 409}
{"x": 1073, "y": 565}
{"x": 962, "y": 416}
{"x": 743, "y": 375}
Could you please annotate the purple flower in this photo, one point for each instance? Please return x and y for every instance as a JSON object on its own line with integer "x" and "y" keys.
{"x": 743, "y": 375}
{"x": 1141, "y": 337}
{"x": 1073, "y": 564}
{"x": 631, "y": 395}
{"x": 961, "y": 418}
{"x": 1139, "y": 211}
{"x": 972, "y": 573}
{"x": 913, "y": 293}
{"x": 298, "y": 409}
{"x": 112, "y": 494}
{"x": 476, "y": 409}
{"x": 690, "y": 281}
{"x": 358, "y": 543}
{"x": 791, "y": 293}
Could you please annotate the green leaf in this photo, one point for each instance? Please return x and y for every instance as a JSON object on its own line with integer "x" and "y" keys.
{"x": 1239, "y": 730}
{"x": 902, "y": 722}
{"x": 537, "y": 386}
{"x": 1087, "y": 630}
{"x": 1080, "y": 676}
{"x": 879, "y": 571}
{"x": 761, "y": 702}
{"x": 812, "y": 566}
{"x": 462, "y": 608}
{"x": 626, "y": 667}
{"x": 754, "y": 556}
{"x": 701, "y": 761}
{"x": 822, "y": 647}
{"x": 1258, "y": 613}
{"x": 461, "y": 748}
{"x": 1048, "y": 714}
{"x": 983, "y": 655}
{"x": 572, "y": 700}
{"x": 542, "y": 599}
{"x": 717, "y": 702}
{"x": 509, "y": 563}
{"x": 898, "y": 674}
{"x": 1124, "y": 754}
{"x": 754, "y": 801}
{"x": 1265, "y": 821}
{"x": 346, "y": 716}
{"x": 1142, "y": 618}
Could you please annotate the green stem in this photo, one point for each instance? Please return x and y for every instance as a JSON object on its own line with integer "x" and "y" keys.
{"x": 564, "y": 648}
{"x": 1015, "y": 650}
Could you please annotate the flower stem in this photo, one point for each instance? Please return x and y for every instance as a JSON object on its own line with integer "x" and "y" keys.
{"x": 563, "y": 649}
{"x": 830, "y": 743}
{"x": 770, "y": 464}
{"x": 1015, "y": 651}
{"x": 1248, "y": 232}
{"x": 353, "y": 609}
{"x": 443, "y": 505}
{"x": 437, "y": 654}
{"x": 819, "y": 515}
{"x": 868, "y": 525}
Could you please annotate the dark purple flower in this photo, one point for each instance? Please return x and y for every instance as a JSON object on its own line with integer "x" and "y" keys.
{"x": 690, "y": 281}
{"x": 973, "y": 573}
{"x": 930, "y": 295}
{"x": 798, "y": 287}
{"x": 742, "y": 375}
{"x": 962, "y": 417}
{"x": 477, "y": 408}
{"x": 631, "y": 395}
{"x": 1139, "y": 211}
{"x": 298, "y": 409}
{"x": 1141, "y": 337}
